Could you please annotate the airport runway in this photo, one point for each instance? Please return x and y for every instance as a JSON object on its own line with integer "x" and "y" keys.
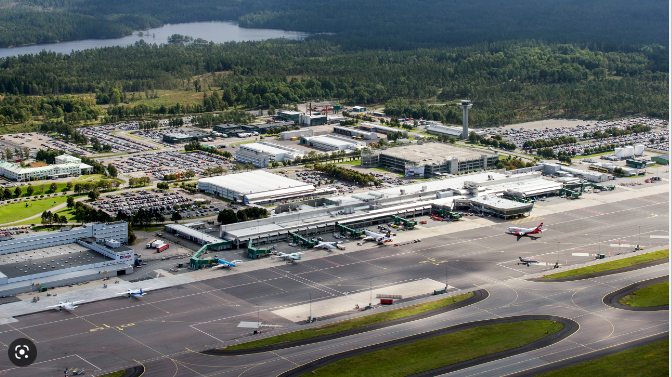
{"x": 164, "y": 330}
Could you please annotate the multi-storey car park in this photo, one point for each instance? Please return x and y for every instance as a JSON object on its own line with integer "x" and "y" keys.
{"x": 63, "y": 256}
{"x": 436, "y": 159}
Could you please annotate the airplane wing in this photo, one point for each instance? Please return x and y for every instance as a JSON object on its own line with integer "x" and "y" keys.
{"x": 54, "y": 306}
{"x": 77, "y": 302}
{"x": 122, "y": 293}
{"x": 519, "y": 237}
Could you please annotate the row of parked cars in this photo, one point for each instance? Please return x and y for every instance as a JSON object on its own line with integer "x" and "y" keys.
{"x": 131, "y": 202}
{"x": 118, "y": 143}
{"x": 165, "y": 162}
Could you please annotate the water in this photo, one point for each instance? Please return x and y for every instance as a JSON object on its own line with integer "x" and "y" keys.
{"x": 216, "y": 31}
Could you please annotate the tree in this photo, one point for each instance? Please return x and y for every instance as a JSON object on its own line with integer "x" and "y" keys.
{"x": 452, "y": 140}
{"x": 176, "y": 216}
{"x": 18, "y": 191}
{"x": 71, "y": 201}
{"x": 94, "y": 194}
{"x": 227, "y": 216}
{"x": 122, "y": 216}
{"x": 78, "y": 188}
{"x": 30, "y": 190}
{"x": 7, "y": 194}
{"x": 112, "y": 170}
{"x": 68, "y": 186}
{"x": 53, "y": 187}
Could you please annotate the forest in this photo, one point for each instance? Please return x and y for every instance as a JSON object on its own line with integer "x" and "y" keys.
{"x": 355, "y": 24}
{"x": 507, "y": 81}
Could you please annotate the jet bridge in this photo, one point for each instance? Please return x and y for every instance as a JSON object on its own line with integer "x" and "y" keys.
{"x": 354, "y": 233}
{"x": 408, "y": 224}
{"x": 197, "y": 262}
{"x": 297, "y": 238}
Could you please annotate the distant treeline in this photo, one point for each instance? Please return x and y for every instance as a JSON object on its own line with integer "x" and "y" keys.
{"x": 507, "y": 81}
{"x": 369, "y": 24}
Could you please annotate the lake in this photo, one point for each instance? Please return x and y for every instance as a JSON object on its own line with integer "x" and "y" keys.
{"x": 216, "y": 31}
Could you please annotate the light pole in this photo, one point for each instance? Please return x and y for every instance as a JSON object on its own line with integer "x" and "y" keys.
{"x": 310, "y": 312}
{"x": 639, "y": 242}
{"x": 370, "y": 292}
{"x": 258, "y": 318}
{"x": 598, "y": 242}
{"x": 558, "y": 262}
{"x": 446, "y": 277}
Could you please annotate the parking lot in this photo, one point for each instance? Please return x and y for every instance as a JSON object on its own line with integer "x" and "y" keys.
{"x": 659, "y": 129}
{"x": 162, "y": 163}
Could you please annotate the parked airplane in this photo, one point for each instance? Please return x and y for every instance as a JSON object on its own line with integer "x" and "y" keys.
{"x": 221, "y": 263}
{"x": 330, "y": 245}
{"x": 134, "y": 292}
{"x": 527, "y": 261}
{"x": 521, "y": 232}
{"x": 380, "y": 238}
{"x": 289, "y": 256}
{"x": 68, "y": 305}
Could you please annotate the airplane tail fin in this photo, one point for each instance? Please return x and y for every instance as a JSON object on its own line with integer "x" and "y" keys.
{"x": 140, "y": 291}
{"x": 540, "y": 225}
{"x": 521, "y": 259}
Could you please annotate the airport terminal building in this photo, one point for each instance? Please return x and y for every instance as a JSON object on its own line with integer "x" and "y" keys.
{"x": 262, "y": 153}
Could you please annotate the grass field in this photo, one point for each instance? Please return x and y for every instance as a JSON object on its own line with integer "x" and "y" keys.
{"x": 653, "y": 295}
{"x": 649, "y": 360}
{"x": 440, "y": 351}
{"x": 625, "y": 262}
{"x": 42, "y": 187}
{"x": 593, "y": 155}
{"x": 354, "y": 162}
{"x": 17, "y": 211}
{"x": 352, "y": 323}
{"x": 169, "y": 98}
{"x": 114, "y": 374}
{"x": 244, "y": 142}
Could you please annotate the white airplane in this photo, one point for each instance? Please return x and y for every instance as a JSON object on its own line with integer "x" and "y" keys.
{"x": 527, "y": 261}
{"x": 330, "y": 245}
{"x": 289, "y": 257}
{"x": 134, "y": 292}
{"x": 521, "y": 232}
{"x": 224, "y": 264}
{"x": 380, "y": 238}
{"x": 68, "y": 305}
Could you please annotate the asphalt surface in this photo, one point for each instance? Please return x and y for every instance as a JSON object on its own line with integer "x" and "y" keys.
{"x": 164, "y": 330}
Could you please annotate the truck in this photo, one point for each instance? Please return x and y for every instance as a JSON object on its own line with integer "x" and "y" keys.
{"x": 149, "y": 244}
{"x": 162, "y": 247}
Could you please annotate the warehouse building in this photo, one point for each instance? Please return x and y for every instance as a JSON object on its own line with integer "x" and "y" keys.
{"x": 289, "y": 115}
{"x": 352, "y": 132}
{"x": 502, "y": 208}
{"x": 185, "y": 136}
{"x": 66, "y": 166}
{"x": 288, "y": 135}
{"x": 306, "y": 120}
{"x": 262, "y": 153}
{"x": 332, "y": 143}
{"x": 380, "y": 128}
{"x": 255, "y": 186}
{"x": 441, "y": 130}
{"x": 434, "y": 159}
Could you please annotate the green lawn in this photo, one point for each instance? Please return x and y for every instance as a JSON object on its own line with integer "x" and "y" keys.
{"x": 42, "y": 187}
{"x": 17, "y": 211}
{"x": 352, "y": 323}
{"x": 354, "y": 162}
{"x": 649, "y": 360}
{"x": 114, "y": 374}
{"x": 440, "y": 351}
{"x": 593, "y": 155}
{"x": 653, "y": 295}
{"x": 244, "y": 142}
{"x": 386, "y": 170}
{"x": 625, "y": 262}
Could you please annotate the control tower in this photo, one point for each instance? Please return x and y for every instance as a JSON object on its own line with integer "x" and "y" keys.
{"x": 465, "y": 104}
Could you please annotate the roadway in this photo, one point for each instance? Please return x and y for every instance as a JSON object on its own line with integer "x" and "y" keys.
{"x": 163, "y": 330}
